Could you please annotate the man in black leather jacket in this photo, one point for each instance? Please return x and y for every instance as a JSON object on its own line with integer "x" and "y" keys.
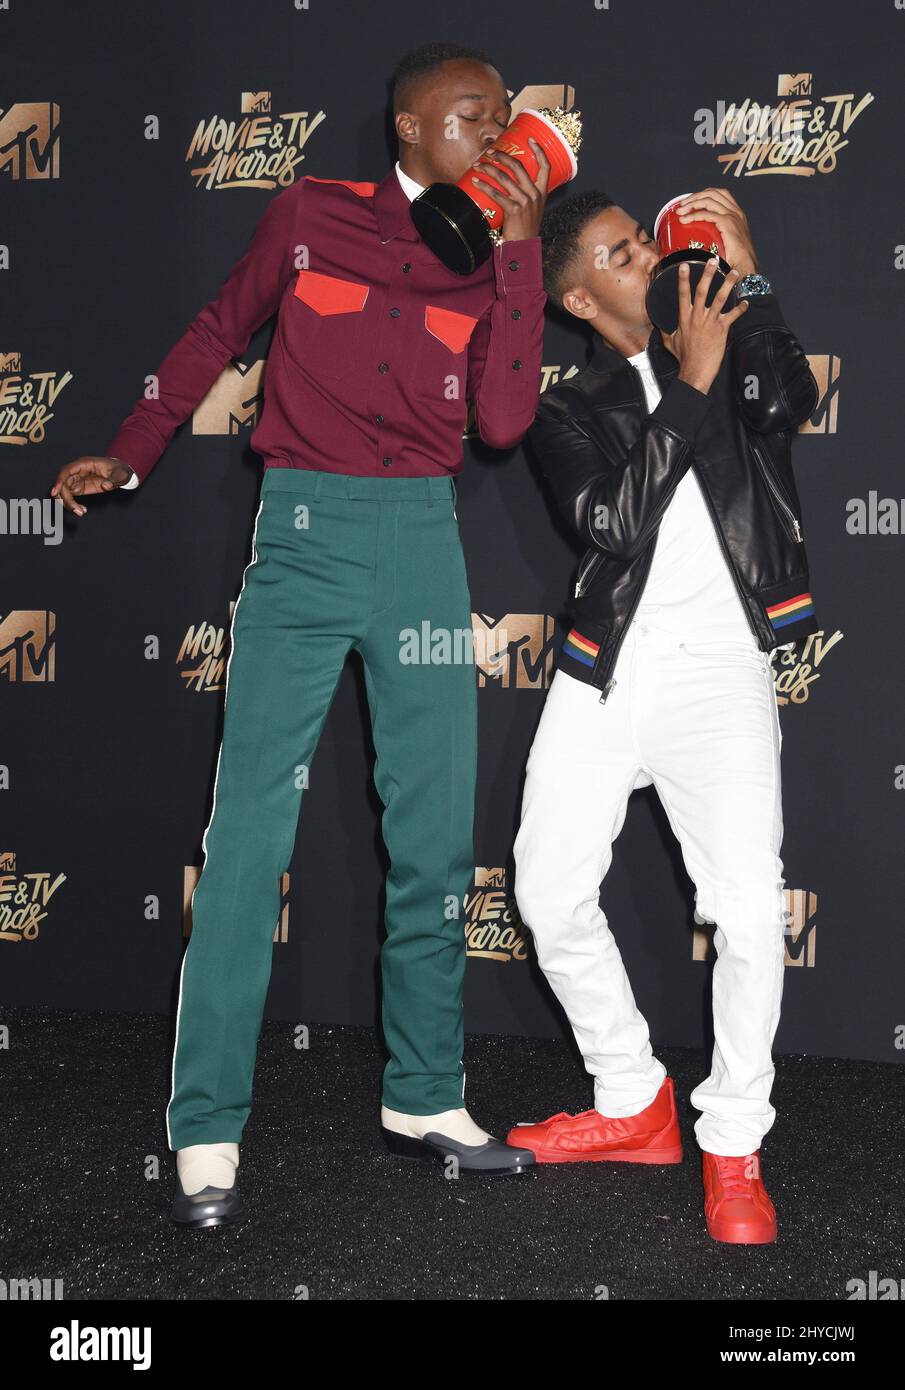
{"x": 670, "y": 458}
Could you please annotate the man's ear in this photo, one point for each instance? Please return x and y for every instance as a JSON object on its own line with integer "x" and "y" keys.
{"x": 578, "y": 302}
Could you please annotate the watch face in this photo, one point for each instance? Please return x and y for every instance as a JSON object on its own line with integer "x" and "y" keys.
{"x": 753, "y": 284}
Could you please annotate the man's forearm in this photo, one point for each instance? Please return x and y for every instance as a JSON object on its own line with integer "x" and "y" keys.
{"x": 615, "y": 504}
{"x": 775, "y": 386}
{"x": 221, "y": 331}
{"x": 510, "y": 348}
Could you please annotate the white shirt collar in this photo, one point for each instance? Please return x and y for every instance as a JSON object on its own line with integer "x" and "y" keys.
{"x": 410, "y": 187}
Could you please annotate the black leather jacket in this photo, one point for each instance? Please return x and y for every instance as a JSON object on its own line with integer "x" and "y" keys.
{"x": 607, "y": 459}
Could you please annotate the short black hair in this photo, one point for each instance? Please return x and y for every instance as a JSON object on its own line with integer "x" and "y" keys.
{"x": 561, "y": 226}
{"x": 413, "y": 66}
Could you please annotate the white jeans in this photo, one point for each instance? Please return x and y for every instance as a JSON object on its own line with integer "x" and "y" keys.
{"x": 698, "y": 720}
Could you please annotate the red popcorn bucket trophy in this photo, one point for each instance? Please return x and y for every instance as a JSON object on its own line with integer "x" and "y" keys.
{"x": 694, "y": 242}
{"x": 459, "y": 222}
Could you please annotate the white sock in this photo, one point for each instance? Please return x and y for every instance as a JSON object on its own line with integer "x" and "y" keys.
{"x": 207, "y": 1165}
{"x": 455, "y": 1124}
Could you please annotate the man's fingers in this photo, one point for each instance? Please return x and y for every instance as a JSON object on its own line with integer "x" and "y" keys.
{"x": 491, "y": 191}
{"x": 735, "y": 313}
{"x": 514, "y": 195}
{"x": 493, "y": 164}
{"x": 510, "y": 166}
{"x": 505, "y": 167}
{"x": 709, "y": 200}
{"x": 543, "y": 165}
{"x": 725, "y": 289}
{"x": 69, "y": 501}
{"x": 501, "y": 194}
{"x": 684, "y": 290}
{"x": 73, "y": 482}
{"x": 703, "y": 288}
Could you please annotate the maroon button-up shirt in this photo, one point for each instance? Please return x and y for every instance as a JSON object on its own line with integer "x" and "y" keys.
{"x": 377, "y": 345}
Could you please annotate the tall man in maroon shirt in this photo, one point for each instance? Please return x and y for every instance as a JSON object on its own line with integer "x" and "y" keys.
{"x": 356, "y": 545}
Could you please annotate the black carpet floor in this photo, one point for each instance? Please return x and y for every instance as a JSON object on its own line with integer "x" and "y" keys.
{"x": 87, "y": 1180}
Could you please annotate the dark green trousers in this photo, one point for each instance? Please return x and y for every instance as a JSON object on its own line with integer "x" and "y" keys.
{"x": 339, "y": 562}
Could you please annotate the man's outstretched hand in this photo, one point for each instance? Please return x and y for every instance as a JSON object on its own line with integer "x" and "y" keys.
{"x": 90, "y": 473}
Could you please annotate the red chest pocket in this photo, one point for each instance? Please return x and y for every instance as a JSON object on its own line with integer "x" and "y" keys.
{"x": 440, "y": 369}
{"x": 323, "y": 323}
{"x": 330, "y": 295}
{"x": 452, "y": 328}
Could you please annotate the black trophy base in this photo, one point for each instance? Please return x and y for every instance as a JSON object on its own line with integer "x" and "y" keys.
{"x": 663, "y": 294}
{"x": 452, "y": 225}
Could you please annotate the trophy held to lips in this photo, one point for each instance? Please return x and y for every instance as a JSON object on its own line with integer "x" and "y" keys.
{"x": 694, "y": 242}
{"x": 460, "y": 222}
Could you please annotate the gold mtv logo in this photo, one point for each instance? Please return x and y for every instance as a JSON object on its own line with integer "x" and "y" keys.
{"x": 10, "y": 362}
{"x": 826, "y": 369}
{"x": 493, "y": 926}
{"x": 233, "y": 401}
{"x": 30, "y": 140}
{"x": 544, "y": 94}
{"x": 800, "y": 931}
{"x": 190, "y": 876}
{"x": 515, "y": 651}
{"x": 255, "y": 103}
{"x": 794, "y": 84}
{"x": 8, "y": 861}
{"x": 801, "y": 928}
{"x": 28, "y": 645}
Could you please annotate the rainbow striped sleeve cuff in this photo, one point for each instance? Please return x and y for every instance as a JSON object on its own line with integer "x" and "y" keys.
{"x": 582, "y": 648}
{"x": 790, "y": 610}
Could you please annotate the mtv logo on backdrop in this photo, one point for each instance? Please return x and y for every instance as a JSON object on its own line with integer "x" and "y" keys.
{"x": 252, "y": 103}
{"x": 544, "y": 94}
{"x": 30, "y": 140}
{"x": 233, "y": 402}
{"x": 800, "y": 930}
{"x": 794, "y": 84}
{"x": 28, "y": 645}
{"x": 515, "y": 650}
{"x": 190, "y": 876}
{"x": 826, "y": 369}
{"x": 493, "y": 926}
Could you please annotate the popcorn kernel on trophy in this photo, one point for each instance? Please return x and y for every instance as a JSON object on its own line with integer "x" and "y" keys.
{"x": 459, "y": 222}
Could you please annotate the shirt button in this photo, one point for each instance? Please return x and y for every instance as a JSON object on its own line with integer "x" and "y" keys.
{"x": 516, "y": 313}
{"x": 387, "y": 462}
{"x": 513, "y": 265}
{"x": 394, "y": 313}
{"x": 516, "y": 364}
{"x": 406, "y": 268}
{"x": 379, "y": 419}
{"x": 383, "y": 366}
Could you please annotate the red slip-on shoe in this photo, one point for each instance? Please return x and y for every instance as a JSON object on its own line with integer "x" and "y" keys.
{"x": 652, "y": 1136}
{"x": 736, "y": 1206}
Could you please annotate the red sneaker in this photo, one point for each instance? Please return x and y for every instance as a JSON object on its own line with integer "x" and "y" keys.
{"x": 736, "y": 1206}
{"x": 652, "y": 1136}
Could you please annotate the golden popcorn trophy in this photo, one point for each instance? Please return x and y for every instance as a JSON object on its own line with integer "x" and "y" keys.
{"x": 460, "y": 223}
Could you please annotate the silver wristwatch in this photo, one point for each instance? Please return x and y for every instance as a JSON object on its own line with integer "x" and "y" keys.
{"x": 750, "y": 285}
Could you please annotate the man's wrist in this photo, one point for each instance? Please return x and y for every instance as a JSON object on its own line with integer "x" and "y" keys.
{"x": 517, "y": 236}
{"x": 699, "y": 383}
{"x": 752, "y": 285}
{"x": 133, "y": 478}
{"x": 746, "y": 265}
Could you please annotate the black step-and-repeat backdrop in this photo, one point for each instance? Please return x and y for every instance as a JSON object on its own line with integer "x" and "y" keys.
{"x": 139, "y": 147}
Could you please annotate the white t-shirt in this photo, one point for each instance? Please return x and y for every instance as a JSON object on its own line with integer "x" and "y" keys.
{"x": 689, "y": 587}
